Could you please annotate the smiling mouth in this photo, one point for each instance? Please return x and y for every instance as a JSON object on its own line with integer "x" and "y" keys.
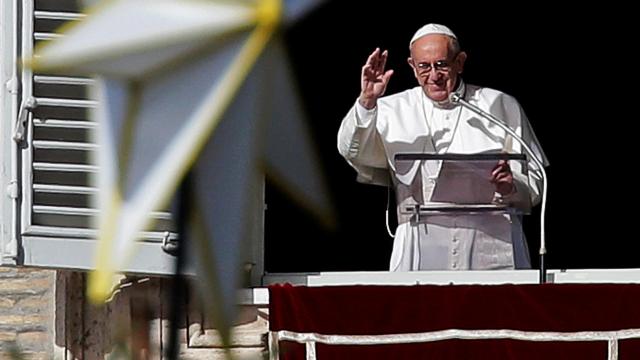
{"x": 436, "y": 86}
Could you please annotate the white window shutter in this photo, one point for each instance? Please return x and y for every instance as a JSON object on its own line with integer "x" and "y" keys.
{"x": 53, "y": 219}
{"x": 56, "y": 161}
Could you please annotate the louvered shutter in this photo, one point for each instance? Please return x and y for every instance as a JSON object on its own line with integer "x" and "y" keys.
{"x": 56, "y": 164}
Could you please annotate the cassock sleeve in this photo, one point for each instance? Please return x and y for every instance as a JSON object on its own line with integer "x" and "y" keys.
{"x": 528, "y": 188}
{"x": 360, "y": 144}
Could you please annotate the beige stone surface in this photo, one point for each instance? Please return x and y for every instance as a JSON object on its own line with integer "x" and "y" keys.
{"x": 26, "y": 311}
{"x": 47, "y": 316}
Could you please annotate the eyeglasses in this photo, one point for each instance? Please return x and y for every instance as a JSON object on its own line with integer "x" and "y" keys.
{"x": 439, "y": 66}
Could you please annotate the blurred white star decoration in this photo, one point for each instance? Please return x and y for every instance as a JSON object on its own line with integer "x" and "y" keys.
{"x": 190, "y": 86}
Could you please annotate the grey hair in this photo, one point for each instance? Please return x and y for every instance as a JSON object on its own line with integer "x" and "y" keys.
{"x": 454, "y": 45}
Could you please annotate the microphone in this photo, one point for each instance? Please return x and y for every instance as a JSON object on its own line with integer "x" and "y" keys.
{"x": 455, "y": 98}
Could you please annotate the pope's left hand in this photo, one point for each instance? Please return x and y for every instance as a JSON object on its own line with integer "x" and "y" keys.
{"x": 502, "y": 177}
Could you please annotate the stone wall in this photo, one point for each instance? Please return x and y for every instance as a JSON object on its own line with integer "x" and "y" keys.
{"x": 45, "y": 315}
{"x": 26, "y": 312}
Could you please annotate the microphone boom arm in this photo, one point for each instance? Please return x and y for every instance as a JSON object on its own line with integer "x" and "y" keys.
{"x": 457, "y": 99}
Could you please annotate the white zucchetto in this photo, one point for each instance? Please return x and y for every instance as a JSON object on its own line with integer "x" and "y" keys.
{"x": 432, "y": 29}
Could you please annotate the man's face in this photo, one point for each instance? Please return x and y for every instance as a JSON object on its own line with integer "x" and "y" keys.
{"x": 435, "y": 66}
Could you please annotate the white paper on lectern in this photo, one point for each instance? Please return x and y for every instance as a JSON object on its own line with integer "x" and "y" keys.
{"x": 465, "y": 182}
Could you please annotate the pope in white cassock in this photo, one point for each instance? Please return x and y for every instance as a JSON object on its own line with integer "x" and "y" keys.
{"x": 422, "y": 120}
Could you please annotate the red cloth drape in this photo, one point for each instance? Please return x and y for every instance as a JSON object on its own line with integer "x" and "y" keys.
{"x": 371, "y": 310}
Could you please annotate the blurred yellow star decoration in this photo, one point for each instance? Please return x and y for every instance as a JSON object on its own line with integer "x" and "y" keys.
{"x": 189, "y": 86}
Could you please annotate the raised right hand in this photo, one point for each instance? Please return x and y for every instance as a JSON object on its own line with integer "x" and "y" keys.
{"x": 374, "y": 79}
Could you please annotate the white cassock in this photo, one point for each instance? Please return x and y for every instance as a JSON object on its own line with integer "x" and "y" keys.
{"x": 409, "y": 122}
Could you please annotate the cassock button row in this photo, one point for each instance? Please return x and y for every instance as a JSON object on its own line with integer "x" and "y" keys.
{"x": 454, "y": 265}
{"x": 454, "y": 252}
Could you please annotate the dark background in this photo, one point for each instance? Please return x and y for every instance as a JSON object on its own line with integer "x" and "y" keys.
{"x": 573, "y": 71}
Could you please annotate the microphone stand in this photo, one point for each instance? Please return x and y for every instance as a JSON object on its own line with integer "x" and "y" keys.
{"x": 457, "y": 99}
